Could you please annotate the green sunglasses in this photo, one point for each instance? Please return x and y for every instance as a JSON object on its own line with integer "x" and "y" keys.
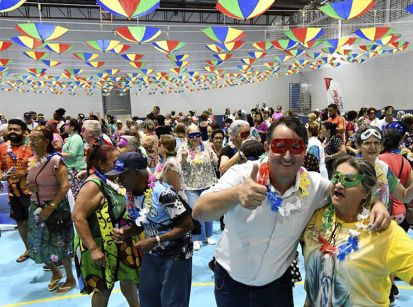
{"x": 347, "y": 180}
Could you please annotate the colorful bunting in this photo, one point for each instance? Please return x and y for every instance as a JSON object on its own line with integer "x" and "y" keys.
{"x": 85, "y": 56}
{"x": 243, "y": 9}
{"x": 374, "y": 33}
{"x": 41, "y": 31}
{"x": 5, "y": 62}
{"x": 27, "y": 42}
{"x": 95, "y": 64}
{"x": 347, "y": 9}
{"x": 37, "y": 72}
{"x": 129, "y": 8}
{"x": 58, "y": 48}
{"x": 223, "y": 35}
{"x": 10, "y": 5}
{"x": 222, "y": 56}
{"x": 4, "y": 45}
{"x": 168, "y": 46}
{"x": 121, "y": 48}
{"x": 132, "y": 57}
{"x": 304, "y": 35}
{"x": 36, "y": 55}
{"x": 102, "y": 44}
{"x": 284, "y": 44}
{"x": 257, "y": 55}
{"x": 263, "y": 46}
{"x": 51, "y": 63}
{"x": 177, "y": 57}
{"x": 232, "y": 46}
{"x": 138, "y": 34}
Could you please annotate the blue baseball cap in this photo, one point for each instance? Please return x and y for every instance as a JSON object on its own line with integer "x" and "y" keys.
{"x": 129, "y": 161}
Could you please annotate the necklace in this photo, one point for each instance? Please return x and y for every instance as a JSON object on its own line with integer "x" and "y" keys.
{"x": 10, "y": 152}
{"x": 274, "y": 198}
{"x": 195, "y": 156}
{"x": 147, "y": 202}
{"x": 35, "y": 161}
{"x": 329, "y": 226}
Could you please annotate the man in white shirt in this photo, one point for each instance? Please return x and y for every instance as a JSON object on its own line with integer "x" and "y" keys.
{"x": 259, "y": 243}
{"x": 28, "y": 119}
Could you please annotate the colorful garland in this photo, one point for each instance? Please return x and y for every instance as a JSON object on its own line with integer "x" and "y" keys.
{"x": 35, "y": 162}
{"x": 274, "y": 198}
{"x": 352, "y": 243}
{"x": 147, "y": 203}
{"x": 10, "y": 152}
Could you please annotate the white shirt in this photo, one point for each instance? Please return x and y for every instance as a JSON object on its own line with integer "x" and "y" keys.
{"x": 314, "y": 141}
{"x": 258, "y": 246}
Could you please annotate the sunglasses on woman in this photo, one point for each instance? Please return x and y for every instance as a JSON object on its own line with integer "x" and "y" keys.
{"x": 294, "y": 146}
{"x": 347, "y": 180}
{"x": 194, "y": 135}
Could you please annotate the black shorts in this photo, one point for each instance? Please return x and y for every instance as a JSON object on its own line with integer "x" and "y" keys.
{"x": 19, "y": 208}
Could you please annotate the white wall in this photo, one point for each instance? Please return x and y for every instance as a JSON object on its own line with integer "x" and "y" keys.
{"x": 273, "y": 92}
{"x": 15, "y": 104}
{"x": 379, "y": 82}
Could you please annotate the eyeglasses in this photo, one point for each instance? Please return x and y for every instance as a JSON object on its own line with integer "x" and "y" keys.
{"x": 245, "y": 134}
{"x": 194, "y": 135}
{"x": 347, "y": 180}
{"x": 295, "y": 146}
{"x": 218, "y": 138}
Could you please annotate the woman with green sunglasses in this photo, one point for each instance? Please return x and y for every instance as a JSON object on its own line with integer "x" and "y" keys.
{"x": 343, "y": 257}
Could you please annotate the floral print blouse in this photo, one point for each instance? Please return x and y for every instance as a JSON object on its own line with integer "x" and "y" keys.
{"x": 198, "y": 167}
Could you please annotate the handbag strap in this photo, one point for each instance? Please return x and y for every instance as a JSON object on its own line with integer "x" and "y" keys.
{"x": 35, "y": 180}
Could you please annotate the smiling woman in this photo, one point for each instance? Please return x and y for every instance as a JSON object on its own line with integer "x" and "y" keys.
{"x": 341, "y": 264}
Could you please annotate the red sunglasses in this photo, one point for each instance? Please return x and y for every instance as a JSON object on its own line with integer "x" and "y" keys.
{"x": 295, "y": 146}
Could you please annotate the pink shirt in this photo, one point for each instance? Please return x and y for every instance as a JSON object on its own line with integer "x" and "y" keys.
{"x": 47, "y": 183}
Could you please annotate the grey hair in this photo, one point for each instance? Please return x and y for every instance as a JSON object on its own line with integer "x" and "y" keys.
{"x": 94, "y": 126}
{"x": 363, "y": 167}
{"x": 236, "y": 125}
{"x": 148, "y": 124}
{"x": 192, "y": 126}
{"x": 133, "y": 141}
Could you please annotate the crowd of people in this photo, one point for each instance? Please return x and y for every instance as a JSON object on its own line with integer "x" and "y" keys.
{"x": 131, "y": 201}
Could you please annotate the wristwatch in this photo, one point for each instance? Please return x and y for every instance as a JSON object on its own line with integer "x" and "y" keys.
{"x": 158, "y": 239}
{"x": 53, "y": 205}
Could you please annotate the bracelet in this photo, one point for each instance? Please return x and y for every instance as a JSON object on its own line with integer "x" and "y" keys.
{"x": 158, "y": 240}
{"x": 53, "y": 205}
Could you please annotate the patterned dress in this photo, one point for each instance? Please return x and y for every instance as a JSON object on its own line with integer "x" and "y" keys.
{"x": 47, "y": 246}
{"x": 122, "y": 262}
